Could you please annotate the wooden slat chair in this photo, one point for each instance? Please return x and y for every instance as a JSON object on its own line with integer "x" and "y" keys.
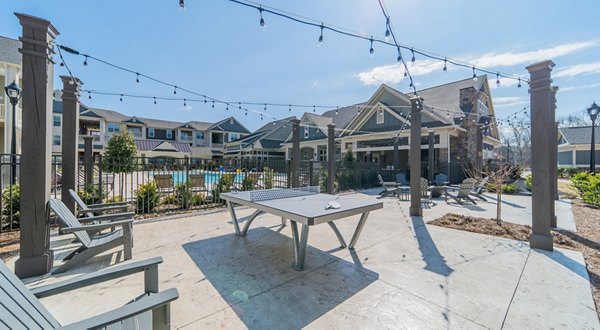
{"x": 89, "y": 209}
{"x": 441, "y": 179}
{"x": 479, "y": 187}
{"x": 463, "y": 191}
{"x": 164, "y": 182}
{"x": 388, "y": 188}
{"x": 426, "y": 190}
{"x": 401, "y": 179}
{"x": 91, "y": 245}
{"x": 197, "y": 182}
{"x": 20, "y": 307}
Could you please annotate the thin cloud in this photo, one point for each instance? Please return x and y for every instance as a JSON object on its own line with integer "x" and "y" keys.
{"x": 393, "y": 74}
{"x": 508, "y": 99}
{"x": 579, "y": 69}
{"x": 511, "y": 104}
{"x": 573, "y": 88}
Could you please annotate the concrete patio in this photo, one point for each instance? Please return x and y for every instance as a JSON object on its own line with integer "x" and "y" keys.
{"x": 403, "y": 274}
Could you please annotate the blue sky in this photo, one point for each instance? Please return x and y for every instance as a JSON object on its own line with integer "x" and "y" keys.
{"x": 217, "y": 48}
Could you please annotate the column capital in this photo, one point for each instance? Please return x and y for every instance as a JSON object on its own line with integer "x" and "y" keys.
{"x": 37, "y": 23}
{"x": 539, "y": 66}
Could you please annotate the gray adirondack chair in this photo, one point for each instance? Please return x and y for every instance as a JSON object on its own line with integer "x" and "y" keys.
{"x": 164, "y": 182}
{"x": 21, "y": 309}
{"x": 401, "y": 179}
{"x": 478, "y": 189}
{"x": 462, "y": 191}
{"x": 91, "y": 244}
{"x": 441, "y": 179}
{"x": 426, "y": 190}
{"x": 388, "y": 187}
{"x": 90, "y": 209}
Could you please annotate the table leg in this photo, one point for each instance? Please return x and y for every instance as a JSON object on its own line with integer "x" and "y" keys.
{"x": 236, "y": 225}
{"x": 249, "y": 221}
{"x": 337, "y": 233}
{"x": 300, "y": 242}
{"x": 359, "y": 228}
{"x": 283, "y": 223}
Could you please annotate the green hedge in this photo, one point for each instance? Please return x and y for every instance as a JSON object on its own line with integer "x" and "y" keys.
{"x": 588, "y": 185}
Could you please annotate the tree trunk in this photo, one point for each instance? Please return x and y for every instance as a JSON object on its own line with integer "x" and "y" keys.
{"x": 499, "y": 206}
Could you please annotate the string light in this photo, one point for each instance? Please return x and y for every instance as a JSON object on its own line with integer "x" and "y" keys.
{"x": 226, "y": 106}
{"x": 182, "y": 3}
{"x": 213, "y": 104}
{"x": 184, "y": 103}
{"x": 175, "y": 90}
{"x": 413, "y": 55}
{"x": 387, "y": 29}
{"x": 336, "y": 110}
{"x": 321, "y": 36}
{"x": 137, "y": 78}
{"x": 519, "y": 85}
{"x": 474, "y": 74}
{"x": 262, "y": 20}
{"x": 498, "y": 79}
{"x": 399, "y": 58}
{"x": 239, "y": 105}
{"x": 89, "y": 95}
{"x": 155, "y": 100}
{"x": 290, "y": 108}
{"x": 314, "y": 110}
{"x": 121, "y": 98}
{"x": 445, "y": 66}
{"x": 85, "y": 61}
{"x": 371, "y": 50}
{"x": 62, "y": 63}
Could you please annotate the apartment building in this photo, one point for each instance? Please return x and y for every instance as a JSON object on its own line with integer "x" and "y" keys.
{"x": 10, "y": 70}
{"x": 154, "y": 138}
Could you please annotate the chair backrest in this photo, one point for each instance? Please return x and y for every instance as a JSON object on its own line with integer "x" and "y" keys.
{"x": 80, "y": 203}
{"x": 424, "y": 186}
{"x": 68, "y": 220}
{"x": 466, "y": 186}
{"x": 380, "y": 180}
{"x": 20, "y": 309}
{"x": 163, "y": 181}
{"x": 479, "y": 187}
{"x": 196, "y": 180}
{"x": 401, "y": 179}
{"x": 441, "y": 179}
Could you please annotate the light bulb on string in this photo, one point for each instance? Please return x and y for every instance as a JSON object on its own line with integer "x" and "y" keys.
{"x": 239, "y": 105}
{"x": 399, "y": 58}
{"x": 371, "y": 50}
{"x": 262, "y": 20}
{"x": 405, "y": 73}
{"x": 265, "y": 108}
{"x": 184, "y": 103}
{"x": 204, "y": 98}
{"x": 474, "y": 74}
{"x": 261, "y": 116}
{"x": 121, "y": 98}
{"x": 213, "y": 104}
{"x": 290, "y": 108}
{"x": 175, "y": 90}
{"x": 498, "y": 79}
{"x": 226, "y": 106}
{"x": 519, "y": 85}
{"x": 155, "y": 100}
{"x": 387, "y": 29}
{"x": 411, "y": 83}
{"x": 413, "y": 56}
{"x": 137, "y": 78}
{"x": 445, "y": 66}
{"x": 314, "y": 109}
{"x": 246, "y": 113}
{"x": 62, "y": 64}
{"x": 321, "y": 36}
{"x": 89, "y": 95}
{"x": 336, "y": 110}
{"x": 181, "y": 4}
{"x": 85, "y": 61}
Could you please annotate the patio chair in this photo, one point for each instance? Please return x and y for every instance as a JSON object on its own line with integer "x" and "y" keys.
{"x": 478, "y": 189}
{"x": 388, "y": 187}
{"x": 401, "y": 179}
{"x": 426, "y": 190}
{"x": 463, "y": 191}
{"x": 441, "y": 179}
{"x": 197, "y": 182}
{"x": 164, "y": 182}
{"x": 21, "y": 308}
{"x": 91, "y": 245}
{"x": 89, "y": 209}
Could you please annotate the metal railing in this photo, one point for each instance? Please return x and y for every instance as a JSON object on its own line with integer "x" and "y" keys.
{"x": 10, "y": 198}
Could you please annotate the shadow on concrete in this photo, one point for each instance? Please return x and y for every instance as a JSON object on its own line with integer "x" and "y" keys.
{"x": 253, "y": 274}
{"x": 570, "y": 264}
{"x": 434, "y": 261}
{"x": 505, "y": 202}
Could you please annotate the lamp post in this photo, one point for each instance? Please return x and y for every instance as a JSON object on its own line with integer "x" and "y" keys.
{"x": 14, "y": 93}
{"x": 593, "y": 112}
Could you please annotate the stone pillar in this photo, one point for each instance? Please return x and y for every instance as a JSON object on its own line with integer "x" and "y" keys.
{"x": 70, "y": 138}
{"x": 414, "y": 156}
{"x": 330, "y": 158}
{"x": 541, "y": 124}
{"x": 36, "y": 154}
{"x": 553, "y": 140}
{"x": 88, "y": 159}
{"x": 431, "y": 156}
{"x": 295, "y": 152}
{"x": 396, "y": 154}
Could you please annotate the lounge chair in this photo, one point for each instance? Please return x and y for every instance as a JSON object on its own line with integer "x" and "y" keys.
{"x": 478, "y": 189}
{"x": 91, "y": 245}
{"x": 89, "y": 209}
{"x": 441, "y": 179}
{"x": 164, "y": 182}
{"x": 388, "y": 187}
{"x": 401, "y": 179}
{"x": 463, "y": 191}
{"x": 197, "y": 182}
{"x": 21, "y": 308}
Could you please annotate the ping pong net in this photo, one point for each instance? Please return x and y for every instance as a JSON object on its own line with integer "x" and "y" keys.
{"x": 270, "y": 194}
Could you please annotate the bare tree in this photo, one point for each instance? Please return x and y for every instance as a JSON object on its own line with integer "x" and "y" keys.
{"x": 575, "y": 119}
{"x": 521, "y": 140}
{"x": 497, "y": 177}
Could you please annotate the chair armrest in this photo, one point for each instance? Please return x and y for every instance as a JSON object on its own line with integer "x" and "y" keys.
{"x": 108, "y": 217}
{"x": 91, "y": 206}
{"x": 100, "y": 276}
{"x": 104, "y": 209}
{"x": 99, "y": 226}
{"x": 142, "y": 305}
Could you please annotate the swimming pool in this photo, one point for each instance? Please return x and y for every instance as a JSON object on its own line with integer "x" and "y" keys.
{"x": 211, "y": 178}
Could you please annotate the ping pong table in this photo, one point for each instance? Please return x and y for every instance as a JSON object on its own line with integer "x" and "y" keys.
{"x": 304, "y": 206}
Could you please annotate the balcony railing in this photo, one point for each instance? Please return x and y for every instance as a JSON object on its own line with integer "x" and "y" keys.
{"x": 2, "y": 110}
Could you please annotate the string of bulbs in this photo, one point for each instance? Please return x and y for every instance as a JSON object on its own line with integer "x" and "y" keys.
{"x": 372, "y": 40}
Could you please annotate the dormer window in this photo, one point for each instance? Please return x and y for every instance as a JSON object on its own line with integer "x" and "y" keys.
{"x": 380, "y": 116}
{"x": 306, "y": 132}
{"x": 169, "y": 134}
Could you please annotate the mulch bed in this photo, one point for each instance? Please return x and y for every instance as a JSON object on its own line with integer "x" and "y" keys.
{"x": 9, "y": 244}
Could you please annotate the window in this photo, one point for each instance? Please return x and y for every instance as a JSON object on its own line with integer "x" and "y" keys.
{"x": 56, "y": 121}
{"x": 483, "y": 109}
{"x": 380, "y": 116}
{"x": 233, "y": 137}
{"x": 151, "y": 132}
{"x": 185, "y": 136}
{"x": 199, "y": 135}
{"x": 113, "y": 128}
{"x": 306, "y": 132}
{"x": 56, "y": 140}
{"x": 135, "y": 131}
{"x": 169, "y": 134}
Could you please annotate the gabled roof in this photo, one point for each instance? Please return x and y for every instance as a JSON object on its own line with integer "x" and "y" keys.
{"x": 157, "y": 145}
{"x": 9, "y": 51}
{"x": 109, "y": 115}
{"x": 57, "y": 107}
{"x": 229, "y": 124}
{"x": 578, "y": 135}
{"x": 200, "y": 125}
{"x": 341, "y": 117}
{"x": 270, "y": 135}
{"x": 448, "y": 95}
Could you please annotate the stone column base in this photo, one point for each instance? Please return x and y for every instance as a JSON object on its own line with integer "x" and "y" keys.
{"x": 416, "y": 211}
{"x": 34, "y": 266}
{"x": 543, "y": 242}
